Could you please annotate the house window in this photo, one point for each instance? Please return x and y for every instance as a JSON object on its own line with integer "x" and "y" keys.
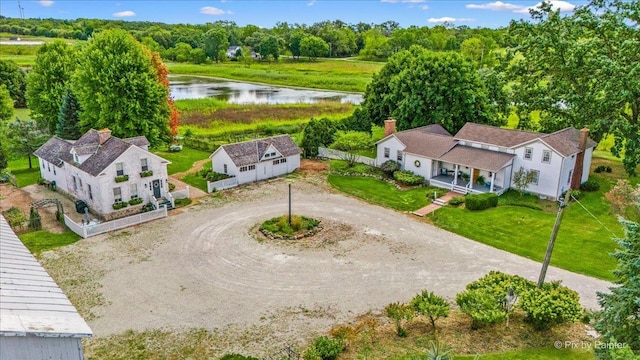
{"x": 76, "y": 158}
{"x": 243, "y": 168}
{"x": 399, "y": 155}
{"x": 546, "y": 156}
{"x": 225, "y": 168}
{"x": 536, "y": 177}
{"x": 276, "y": 162}
{"x": 386, "y": 152}
{"x": 528, "y": 153}
{"x": 134, "y": 191}
{"x": 90, "y": 192}
{"x": 283, "y": 160}
{"x": 569, "y": 178}
{"x": 119, "y": 169}
{"x": 117, "y": 194}
{"x": 75, "y": 183}
{"x": 144, "y": 165}
{"x": 54, "y": 171}
{"x": 48, "y": 167}
{"x": 252, "y": 167}
{"x": 43, "y": 166}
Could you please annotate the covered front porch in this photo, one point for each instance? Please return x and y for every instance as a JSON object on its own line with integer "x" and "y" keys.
{"x": 462, "y": 186}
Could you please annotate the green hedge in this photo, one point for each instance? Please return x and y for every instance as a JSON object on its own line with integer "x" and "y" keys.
{"x": 408, "y": 178}
{"x": 481, "y": 201}
{"x": 119, "y": 205}
{"x": 135, "y": 201}
{"x": 590, "y": 185}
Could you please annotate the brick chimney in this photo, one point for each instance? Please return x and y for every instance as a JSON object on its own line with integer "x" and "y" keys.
{"x": 576, "y": 179}
{"x": 104, "y": 135}
{"x": 389, "y": 126}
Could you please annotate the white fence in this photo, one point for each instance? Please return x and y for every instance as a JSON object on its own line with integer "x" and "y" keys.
{"x": 181, "y": 194}
{"x": 91, "y": 230}
{"x": 222, "y": 184}
{"x": 341, "y": 155}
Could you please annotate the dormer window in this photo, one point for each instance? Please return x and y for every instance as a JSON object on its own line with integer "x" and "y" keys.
{"x": 119, "y": 169}
{"x": 76, "y": 158}
{"x": 270, "y": 155}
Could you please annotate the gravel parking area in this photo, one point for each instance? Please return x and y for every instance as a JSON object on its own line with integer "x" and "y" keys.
{"x": 205, "y": 267}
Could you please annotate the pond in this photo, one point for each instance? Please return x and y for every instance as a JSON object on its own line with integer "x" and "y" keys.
{"x": 238, "y": 92}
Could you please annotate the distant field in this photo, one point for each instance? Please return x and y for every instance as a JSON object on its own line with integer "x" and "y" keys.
{"x": 340, "y": 75}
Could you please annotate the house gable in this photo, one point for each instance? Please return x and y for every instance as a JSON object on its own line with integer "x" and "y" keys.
{"x": 270, "y": 153}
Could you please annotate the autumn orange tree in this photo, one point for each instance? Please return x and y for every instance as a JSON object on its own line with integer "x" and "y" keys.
{"x": 162, "y": 72}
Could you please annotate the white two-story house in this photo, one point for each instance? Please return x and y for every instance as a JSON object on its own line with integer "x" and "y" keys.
{"x": 103, "y": 170}
{"x": 481, "y": 158}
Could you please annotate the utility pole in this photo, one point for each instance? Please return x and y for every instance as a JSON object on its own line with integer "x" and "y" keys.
{"x": 289, "y": 204}
{"x": 554, "y": 233}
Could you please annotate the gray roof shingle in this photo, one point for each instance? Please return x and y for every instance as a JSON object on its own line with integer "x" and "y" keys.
{"x": 494, "y": 135}
{"x": 477, "y": 158}
{"x": 250, "y": 152}
{"x": 566, "y": 141}
{"x": 57, "y": 150}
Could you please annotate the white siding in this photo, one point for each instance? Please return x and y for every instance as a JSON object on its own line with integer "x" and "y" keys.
{"x": 50, "y": 172}
{"x": 394, "y": 145}
{"x": 425, "y": 165}
{"x": 586, "y": 164}
{"x": 38, "y": 348}
{"x": 219, "y": 159}
{"x": 263, "y": 170}
{"x": 549, "y": 172}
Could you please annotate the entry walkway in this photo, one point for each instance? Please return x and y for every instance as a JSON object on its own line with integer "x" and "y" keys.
{"x": 436, "y": 204}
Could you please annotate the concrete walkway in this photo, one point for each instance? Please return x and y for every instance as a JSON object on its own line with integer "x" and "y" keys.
{"x": 433, "y": 206}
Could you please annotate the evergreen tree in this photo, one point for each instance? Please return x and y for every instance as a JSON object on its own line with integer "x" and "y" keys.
{"x": 69, "y": 117}
{"x": 318, "y": 132}
{"x": 620, "y": 315}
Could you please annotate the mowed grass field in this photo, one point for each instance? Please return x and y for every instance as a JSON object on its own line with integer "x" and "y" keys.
{"x": 338, "y": 75}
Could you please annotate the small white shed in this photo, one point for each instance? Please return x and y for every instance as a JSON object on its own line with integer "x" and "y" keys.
{"x": 37, "y": 320}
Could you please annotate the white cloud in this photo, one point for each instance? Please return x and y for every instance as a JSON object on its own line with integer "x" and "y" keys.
{"x": 311, "y": 3}
{"x": 404, "y": 1}
{"x": 424, "y": 7}
{"x": 127, "y": 13}
{"x": 45, "y": 3}
{"x": 496, "y": 6}
{"x": 563, "y": 6}
{"x": 210, "y": 10}
{"x": 449, "y": 19}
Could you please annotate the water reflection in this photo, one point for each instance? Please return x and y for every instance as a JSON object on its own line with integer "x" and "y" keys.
{"x": 193, "y": 87}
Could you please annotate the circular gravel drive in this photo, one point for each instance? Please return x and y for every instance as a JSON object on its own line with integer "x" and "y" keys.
{"x": 206, "y": 268}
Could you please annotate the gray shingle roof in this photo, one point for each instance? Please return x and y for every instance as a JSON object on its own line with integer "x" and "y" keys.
{"x": 30, "y": 301}
{"x": 250, "y": 152}
{"x": 56, "y": 150}
{"x": 494, "y": 135}
{"x": 477, "y": 158}
{"x": 425, "y": 143}
{"x": 566, "y": 141}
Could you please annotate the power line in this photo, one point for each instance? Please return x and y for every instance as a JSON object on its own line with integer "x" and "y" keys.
{"x": 593, "y": 216}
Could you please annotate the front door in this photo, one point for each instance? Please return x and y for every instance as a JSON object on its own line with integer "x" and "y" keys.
{"x": 156, "y": 188}
{"x": 476, "y": 173}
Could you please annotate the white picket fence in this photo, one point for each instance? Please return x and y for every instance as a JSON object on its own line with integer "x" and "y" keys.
{"x": 222, "y": 184}
{"x": 342, "y": 155}
{"x": 91, "y": 230}
{"x": 181, "y": 194}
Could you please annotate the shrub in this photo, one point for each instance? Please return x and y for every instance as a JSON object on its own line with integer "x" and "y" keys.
{"x": 352, "y": 140}
{"x": 480, "y": 180}
{"x": 148, "y": 207}
{"x": 119, "y": 205}
{"x": 590, "y": 185}
{"x": 430, "y": 305}
{"x": 214, "y": 176}
{"x": 15, "y": 217}
{"x": 122, "y": 178}
{"x": 237, "y": 357}
{"x": 311, "y": 354}
{"x": 481, "y": 201}
{"x": 135, "y": 201}
{"x": 399, "y": 312}
{"x": 602, "y": 168}
{"x": 280, "y": 225}
{"x": 389, "y": 167}
{"x": 576, "y": 194}
{"x": 408, "y": 178}
{"x": 553, "y": 304}
{"x": 456, "y": 201}
{"x": 172, "y": 187}
{"x": 328, "y": 348}
{"x": 481, "y": 306}
{"x": 146, "y": 173}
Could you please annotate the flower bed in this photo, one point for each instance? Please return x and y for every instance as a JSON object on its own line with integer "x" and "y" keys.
{"x": 300, "y": 227}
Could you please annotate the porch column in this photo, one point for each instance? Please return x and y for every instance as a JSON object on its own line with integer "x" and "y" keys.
{"x": 455, "y": 176}
{"x": 493, "y": 179}
{"x": 471, "y": 179}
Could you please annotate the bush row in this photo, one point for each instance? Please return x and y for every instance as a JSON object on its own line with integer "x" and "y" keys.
{"x": 408, "y": 178}
{"x": 481, "y": 201}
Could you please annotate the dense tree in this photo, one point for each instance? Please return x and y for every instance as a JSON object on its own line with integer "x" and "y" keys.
{"x": 418, "y": 87}
{"x": 68, "y": 126}
{"x": 294, "y": 42}
{"x": 269, "y": 46}
{"x": 376, "y": 45}
{"x": 317, "y": 133}
{"x": 118, "y": 88}
{"x": 14, "y": 79}
{"x": 25, "y": 137}
{"x": 47, "y": 81}
{"x": 620, "y": 315}
{"x": 6, "y": 106}
{"x": 313, "y": 47}
{"x": 583, "y": 69}
{"x": 4, "y": 159}
{"x": 216, "y": 44}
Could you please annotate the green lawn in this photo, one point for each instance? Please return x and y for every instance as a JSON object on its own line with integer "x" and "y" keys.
{"x": 583, "y": 245}
{"x": 24, "y": 175}
{"x": 39, "y": 241}
{"x": 197, "y": 180}
{"x": 381, "y": 193}
{"x": 536, "y": 354}
{"x": 182, "y": 160}
{"x": 340, "y": 75}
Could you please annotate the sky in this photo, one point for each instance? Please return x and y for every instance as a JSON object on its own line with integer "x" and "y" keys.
{"x": 263, "y": 13}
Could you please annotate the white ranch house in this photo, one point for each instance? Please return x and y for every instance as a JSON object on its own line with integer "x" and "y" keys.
{"x": 102, "y": 169}
{"x": 258, "y": 159}
{"x": 560, "y": 160}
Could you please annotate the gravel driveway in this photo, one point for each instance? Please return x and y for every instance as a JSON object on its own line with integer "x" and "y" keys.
{"x": 205, "y": 268}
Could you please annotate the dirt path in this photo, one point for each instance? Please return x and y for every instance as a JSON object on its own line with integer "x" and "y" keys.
{"x": 205, "y": 268}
